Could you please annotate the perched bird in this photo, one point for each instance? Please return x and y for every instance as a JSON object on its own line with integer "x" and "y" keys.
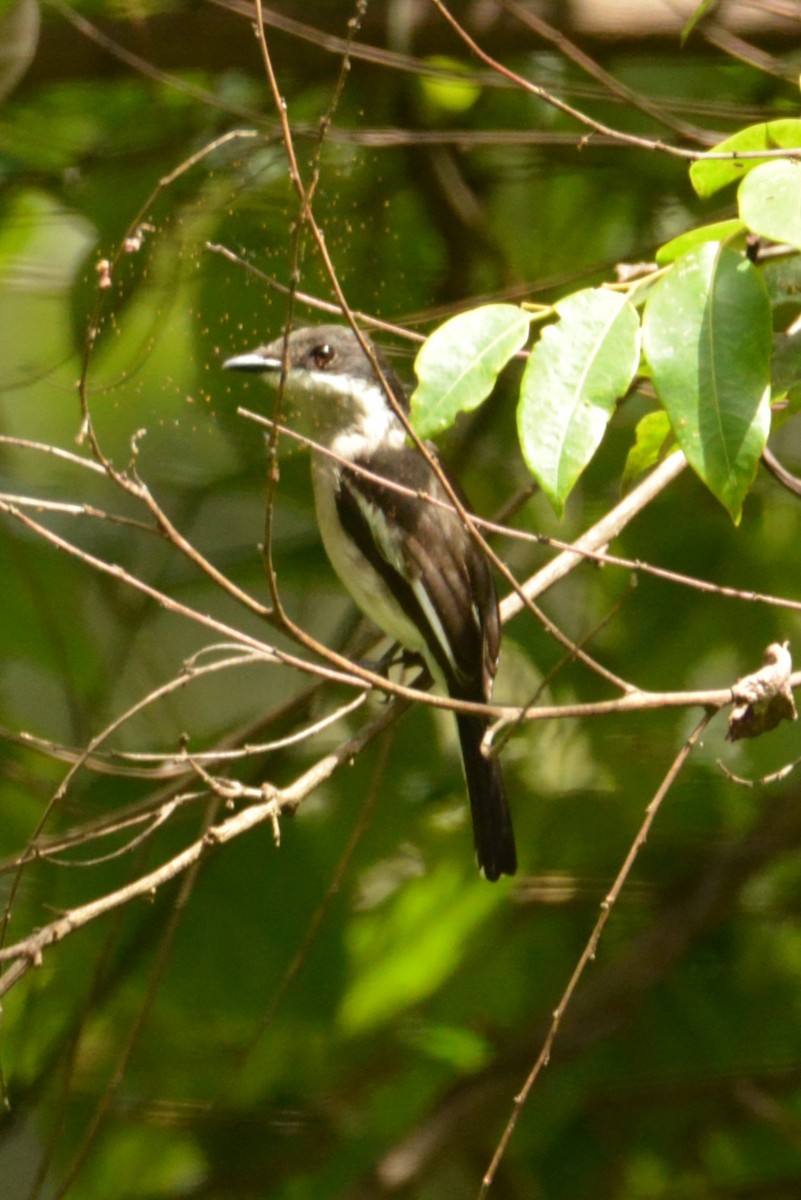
{"x": 411, "y": 566}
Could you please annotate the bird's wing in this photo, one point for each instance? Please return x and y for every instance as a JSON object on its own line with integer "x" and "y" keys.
{"x": 429, "y": 562}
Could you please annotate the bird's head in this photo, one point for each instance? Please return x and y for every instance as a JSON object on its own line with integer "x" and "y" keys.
{"x": 330, "y": 384}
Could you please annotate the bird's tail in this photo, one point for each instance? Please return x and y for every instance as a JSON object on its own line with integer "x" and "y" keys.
{"x": 492, "y": 822}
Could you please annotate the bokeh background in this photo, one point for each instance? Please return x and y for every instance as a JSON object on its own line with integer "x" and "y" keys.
{"x": 351, "y": 1014}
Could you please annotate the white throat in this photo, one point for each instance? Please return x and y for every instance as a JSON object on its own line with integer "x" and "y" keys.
{"x": 351, "y": 417}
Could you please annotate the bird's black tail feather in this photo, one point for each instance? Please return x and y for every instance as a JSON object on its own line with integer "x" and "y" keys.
{"x": 492, "y": 822}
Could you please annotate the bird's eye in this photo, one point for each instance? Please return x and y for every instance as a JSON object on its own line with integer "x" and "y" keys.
{"x": 322, "y": 355}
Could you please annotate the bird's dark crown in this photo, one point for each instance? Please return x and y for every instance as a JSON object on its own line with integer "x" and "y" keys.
{"x": 321, "y": 350}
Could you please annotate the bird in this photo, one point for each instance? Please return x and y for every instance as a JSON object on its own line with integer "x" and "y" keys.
{"x": 411, "y": 566}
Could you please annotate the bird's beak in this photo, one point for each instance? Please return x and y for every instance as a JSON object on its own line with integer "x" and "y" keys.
{"x": 254, "y": 361}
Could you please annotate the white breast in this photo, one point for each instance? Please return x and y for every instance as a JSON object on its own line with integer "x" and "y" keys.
{"x": 365, "y": 586}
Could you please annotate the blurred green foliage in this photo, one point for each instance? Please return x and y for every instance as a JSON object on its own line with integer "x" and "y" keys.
{"x": 290, "y": 1030}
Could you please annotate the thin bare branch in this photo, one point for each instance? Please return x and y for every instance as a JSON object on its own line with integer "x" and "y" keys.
{"x": 611, "y": 85}
{"x": 28, "y": 952}
{"x": 588, "y": 954}
{"x": 594, "y": 127}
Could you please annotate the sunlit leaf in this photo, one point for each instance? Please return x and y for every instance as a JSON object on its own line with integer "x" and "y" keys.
{"x": 719, "y": 231}
{"x": 458, "y": 366}
{"x": 574, "y": 376}
{"x": 653, "y": 437}
{"x": 770, "y": 201}
{"x": 402, "y": 957}
{"x": 447, "y": 93}
{"x": 707, "y": 336}
{"x": 464, "y": 1049}
{"x": 710, "y": 175}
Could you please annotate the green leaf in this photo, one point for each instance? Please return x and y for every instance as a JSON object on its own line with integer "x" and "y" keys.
{"x": 462, "y": 1049}
{"x": 575, "y": 374}
{"x": 707, "y": 335}
{"x": 458, "y": 365}
{"x": 400, "y": 957}
{"x": 710, "y": 175}
{"x": 770, "y": 201}
{"x": 719, "y": 231}
{"x": 447, "y": 93}
{"x": 653, "y": 437}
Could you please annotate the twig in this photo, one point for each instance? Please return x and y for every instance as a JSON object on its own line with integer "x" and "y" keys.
{"x": 588, "y": 954}
{"x": 615, "y": 87}
{"x": 111, "y": 1090}
{"x": 28, "y": 952}
{"x": 622, "y": 138}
